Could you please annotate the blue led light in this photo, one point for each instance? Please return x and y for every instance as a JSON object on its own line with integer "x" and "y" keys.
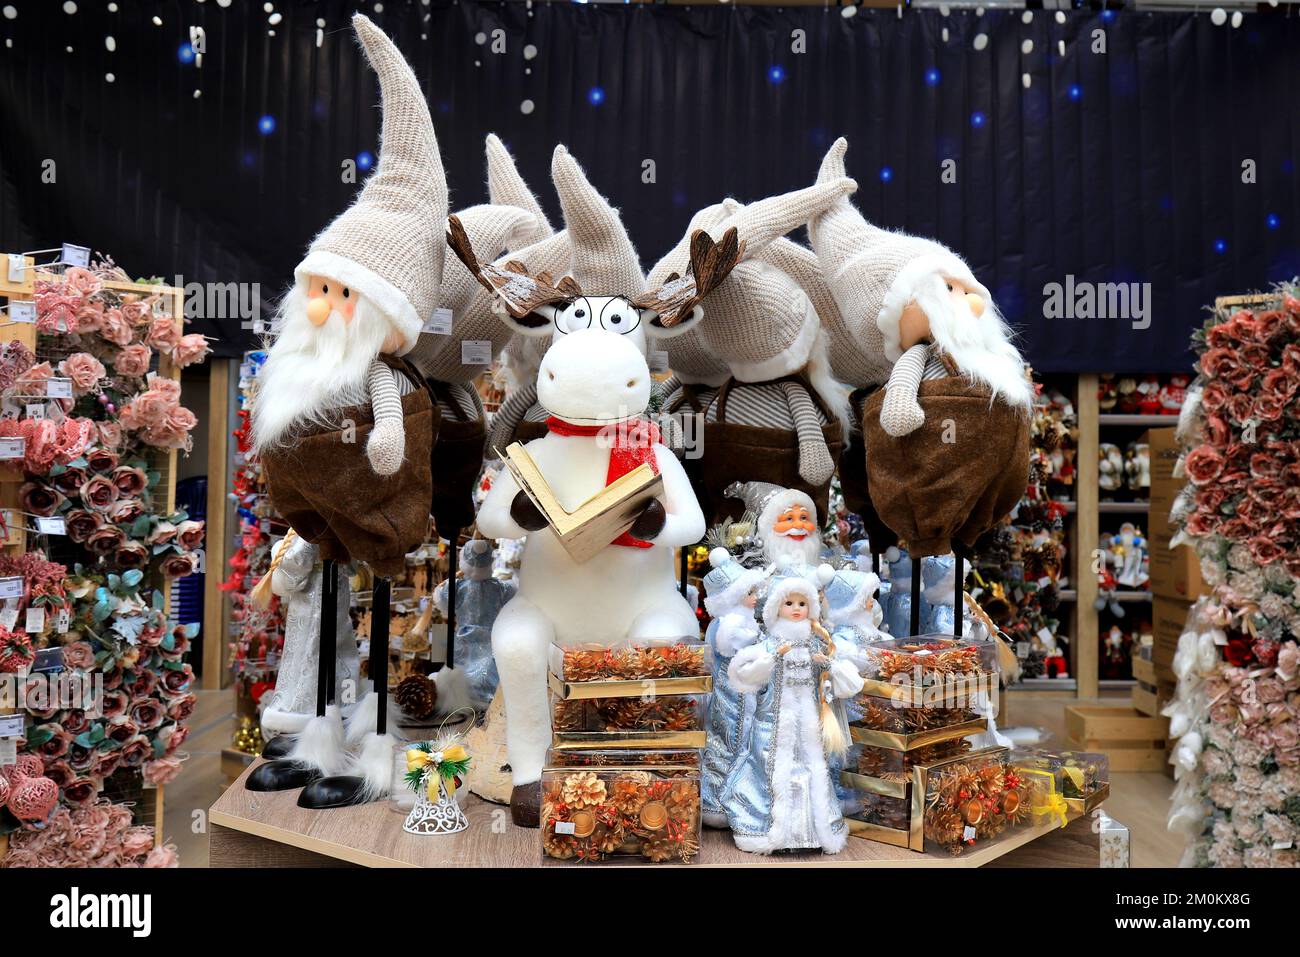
{"x": 932, "y": 77}
{"x": 977, "y": 119}
{"x": 185, "y": 53}
{"x": 1220, "y": 246}
{"x": 1273, "y": 221}
{"x": 886, "y": 174}
{"x": 266, "y": 125}
{"x": 365, "y": 159}
{"x": 595, "y": 96}
{"x": 1076, "y": 91}
{"x": 775, "y": 74}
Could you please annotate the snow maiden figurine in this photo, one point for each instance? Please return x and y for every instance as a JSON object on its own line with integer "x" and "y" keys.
{"x": 731, "y": 598}
{"x": 780, "y": 795}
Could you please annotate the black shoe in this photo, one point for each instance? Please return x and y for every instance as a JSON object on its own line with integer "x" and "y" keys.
{"x": 282, "y": 775}
{"x": 278, "y": 747}
{"x": 337, "y": 790}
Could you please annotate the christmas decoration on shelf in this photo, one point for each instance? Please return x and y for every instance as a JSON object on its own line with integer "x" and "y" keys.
{"x": 1234, "y": 715}
{"x": 434, "y": 771}
{"x": 417, "y": 696}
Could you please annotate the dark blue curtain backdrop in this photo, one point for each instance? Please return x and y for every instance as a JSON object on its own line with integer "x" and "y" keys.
{"x": 1123, "y": 166}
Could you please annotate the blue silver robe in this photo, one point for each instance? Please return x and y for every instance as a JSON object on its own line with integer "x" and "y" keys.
{"x": 730, "y": 715}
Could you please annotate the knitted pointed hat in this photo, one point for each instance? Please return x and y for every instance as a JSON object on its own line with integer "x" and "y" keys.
{"x": 507, "y": 188}
{"x": 874, "y": 273}
{"x": 388, "y": 245}
{"x": 688, "y": 354}
{"x": 605, "y": 262}
{"x": 760, "y": 320}
{"x": 490, "y": 229}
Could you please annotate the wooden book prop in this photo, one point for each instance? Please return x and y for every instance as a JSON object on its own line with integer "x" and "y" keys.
{"x": 599, "y": 520}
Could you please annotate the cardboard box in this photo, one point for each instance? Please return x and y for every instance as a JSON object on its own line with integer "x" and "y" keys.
{"x": 1168, "y": 621}
{"x": 1175, "y": 572}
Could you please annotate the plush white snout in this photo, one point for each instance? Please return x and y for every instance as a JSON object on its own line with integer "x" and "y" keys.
{"x": 593, "y": 376}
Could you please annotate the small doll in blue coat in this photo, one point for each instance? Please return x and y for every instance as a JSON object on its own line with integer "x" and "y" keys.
{"x": 732, "y": 594}
{"x": 479, "y": 598}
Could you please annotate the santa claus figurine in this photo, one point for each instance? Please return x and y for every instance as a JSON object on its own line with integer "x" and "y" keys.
{"x": 786, "y": 531}
{"x": 341, "y": 422}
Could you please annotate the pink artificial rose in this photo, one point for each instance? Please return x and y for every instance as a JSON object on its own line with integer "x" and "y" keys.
{"x": 163, "y": 334}
{"x": 110, "y": 435}
{"x": 147, "y": 410}
{"x": 106, "y": 540}
{"x": 102, "y": 460}
{"x": 84, "y": 370}
{"x": 133, "y": 360}
{"x": 144, "y": 682}
{"x": 79, "y": 654}
{"x": 136, "y": 751}
{"x": 129, "y": 481}
{"x": 146, "y": 712}
{"x": 189, "y": 534}
{"x": 182, "y": 708}
{"x": 115, "y": 704}
{"x": 82, "y": 792}
{"x": 137, "y": 311}
{"x": 115, "y": 328}
{"x": 177, "y": 681}
{"x": 162, "y": 533}
{"x": 81, "y": 524}
{"x": 1240, "y": 407}
{"x": 1203, "y": 464}
{"x": 125, "y": 511}
{"x": 82, "y": 281}
{"x": 178, "y": 565}
{"x": 138, "y": 841}
{"x": 90, "y": 317}
{"x": 131, "y": 555}
{"x": 190, "y": 349}
{"x": 1265, "y": 550}
{"x": 99, "y": 493}
{"x": 1214, "y": 397}
{"x": 163, "y": 857}
{"x": 40, "y": 499}
{"x": 32, "y": 382}
{"x": 122, "y": 729}
{"x": 173, "y": 736}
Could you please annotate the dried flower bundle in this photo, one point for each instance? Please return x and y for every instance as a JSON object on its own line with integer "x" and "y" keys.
{"x": 591, "y": 815}
{"x": 971, "y": 801}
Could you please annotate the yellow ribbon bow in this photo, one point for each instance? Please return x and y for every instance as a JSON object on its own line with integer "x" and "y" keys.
{"x": 1047, "y": 802}
{"x": 417, "y": 759}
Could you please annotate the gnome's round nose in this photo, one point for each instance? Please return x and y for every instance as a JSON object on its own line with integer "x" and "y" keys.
{"x": 592, "y": 376}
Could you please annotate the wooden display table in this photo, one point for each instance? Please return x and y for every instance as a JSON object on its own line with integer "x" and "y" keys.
{"x": 252, "y": 829}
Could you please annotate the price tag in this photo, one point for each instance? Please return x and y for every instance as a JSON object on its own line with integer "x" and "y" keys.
{"x": 22, "y": 312}
{"x": 11, "y": 587}
{"x": 1022, "y": 649}
{"x": 63, "y": 621}
{"x": 476, "y": 352}
{"x": 565, "y": 827}
{"x": 75, "y": 255}
{"x": 49, "y": 661}
{"x": 12, "y": 725}
{"x": 35, "y": 620}
{"x": 58, "y": 388}
{"x": 9, "y": 409}
{"x": 968, "y": 833}
{"x": 439, "y": 323}
{"x": 17, "y": 267}
{"x": 1045, "y": 635}
{"x": 8, "y": 752}
{"x": 52, "y": 526}
{"x": 8, "y": 618}
{"x": 1044, "y": 581}
{"x": 657, "y": 360}
{"x": 12, "y": 448}
{"x": 35, "y": 410}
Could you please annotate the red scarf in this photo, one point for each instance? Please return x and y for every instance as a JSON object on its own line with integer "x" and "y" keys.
{"x": 633, "y": 444}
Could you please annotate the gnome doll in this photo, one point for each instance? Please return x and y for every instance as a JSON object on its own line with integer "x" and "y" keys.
{"x": 780, "y": 416}
{"x": 341, "y": 421}
{"x": 732, "y": 595}
{"x": 915, "y": 306}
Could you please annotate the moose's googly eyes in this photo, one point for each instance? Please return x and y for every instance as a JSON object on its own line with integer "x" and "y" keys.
{"x": 620, "y": 316}
{"x": 580, "y": 313}
{"x": 577, "y": 316}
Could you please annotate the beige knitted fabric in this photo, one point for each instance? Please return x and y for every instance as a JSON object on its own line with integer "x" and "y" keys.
{"x": 870, "y": 272}
{"x": 490, "y": 229}
{"x": 688, "y": 355}
{"x": 605, "y": 262}
{"x": 507, "y": 188}
{"x": 900, "y": 412}
{"x": 389, "y": 244}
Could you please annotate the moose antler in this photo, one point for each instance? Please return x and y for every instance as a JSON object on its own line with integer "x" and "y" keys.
{"x": 710, "y": 264}
{"x": 522, "y": 293}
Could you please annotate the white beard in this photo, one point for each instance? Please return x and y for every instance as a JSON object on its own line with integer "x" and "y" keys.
{"x": 308, "y": 366}
{"x": 806, "y": 550}
{"x": 981, "y": 347}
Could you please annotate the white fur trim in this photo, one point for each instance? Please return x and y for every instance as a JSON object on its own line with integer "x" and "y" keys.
{"x": 386, "y": 297}
{"x": 320, "y": 745}
{"x": 719, "y": 556}
{"x": 788, "y": 360}
{"x": 721, "y": 602}
{"x": 362, "y": 720}
{"x": 904, "y": 288}
{"x": 789, "y": 586}
{"x": 453, "y": 690}
{"x": 374, "y": 764}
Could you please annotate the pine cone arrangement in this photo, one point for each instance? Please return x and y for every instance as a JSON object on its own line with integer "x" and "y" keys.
{"x": 417, "y": 696}
{"x": 631, "y": 663}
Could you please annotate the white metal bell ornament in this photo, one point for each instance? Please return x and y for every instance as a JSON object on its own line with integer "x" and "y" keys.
{"x": 433, "y": 772}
